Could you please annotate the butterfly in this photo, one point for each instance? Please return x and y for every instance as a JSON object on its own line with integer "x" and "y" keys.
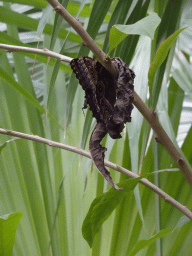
{"x": 110, "y": 100}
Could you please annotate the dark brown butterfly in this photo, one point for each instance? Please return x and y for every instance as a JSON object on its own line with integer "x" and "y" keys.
{"x": 110, "y": 100}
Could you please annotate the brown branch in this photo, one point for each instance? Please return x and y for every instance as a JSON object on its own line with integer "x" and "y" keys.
{"x": 109, "y": 164}
{"x": 162, "y": 136}
{"x": 44, "y": 51}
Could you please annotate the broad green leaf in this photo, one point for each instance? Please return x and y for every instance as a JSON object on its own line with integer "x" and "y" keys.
{"x": 102, "y": 207}
{"x": 8, "y": 227}
{"x": 144, "y": 243}
{"x": 144, "y": 27}
{"x": 161, "y": 55}
{"x": 87, "y": 227}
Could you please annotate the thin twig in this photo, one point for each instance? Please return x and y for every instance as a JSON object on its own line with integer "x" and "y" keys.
{"x": 44, "y": 51}
{"x": 149, "y": 114}
{"x": 109, "y": 164}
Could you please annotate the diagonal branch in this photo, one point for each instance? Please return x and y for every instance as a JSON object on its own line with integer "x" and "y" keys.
{"x": 109, "y": 164}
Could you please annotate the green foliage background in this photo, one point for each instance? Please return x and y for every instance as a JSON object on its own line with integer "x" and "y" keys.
{"x": 53, "y": 188}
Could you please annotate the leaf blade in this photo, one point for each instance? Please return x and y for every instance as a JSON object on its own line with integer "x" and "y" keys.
{"x": 102, "y": 207}
{"x": 8, "y": 227}
{"x": 144, "y": 243}
{"x": 145, "y": 27}
{"x": 160, "y": 56}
